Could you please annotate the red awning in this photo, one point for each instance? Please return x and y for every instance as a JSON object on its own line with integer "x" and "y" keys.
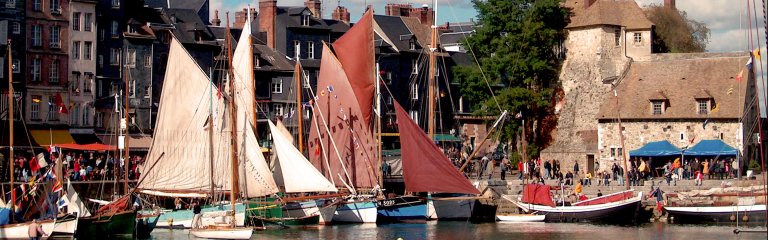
{"x": 87, "y": 147}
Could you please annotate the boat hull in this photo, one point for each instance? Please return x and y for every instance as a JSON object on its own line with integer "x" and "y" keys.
{"x": 717, "y": 214}
{"x": 520, "y": 218}
{"x": 211, "y": 215}
{"x": 407, "y": 209}
{"x": 285, "y": 222}
{"x": 118, "y": 224}
{"x": 21, "y": 230}
{"x": 618, "y": 212}
{"x": 223, "y": 233}
{"x": 145, "y": 224}
{"x": 324, "y": 208}
{"x": 356, "y": 212}
{"x": 453, "y": 209}
{"x": 65, "y": 226}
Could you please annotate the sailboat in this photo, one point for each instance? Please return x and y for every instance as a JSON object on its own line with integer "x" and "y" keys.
{"x": 75, "y": 210}
{"x": 15, "y": 230}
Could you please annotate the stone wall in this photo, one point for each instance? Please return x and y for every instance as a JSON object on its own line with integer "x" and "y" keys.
{"x": 679, "y": 133}
{"x": 638, "y": 50}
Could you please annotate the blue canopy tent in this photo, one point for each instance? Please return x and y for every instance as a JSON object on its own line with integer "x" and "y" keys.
{"x": 714, "y": 147}
{"x": 656, "y": 149}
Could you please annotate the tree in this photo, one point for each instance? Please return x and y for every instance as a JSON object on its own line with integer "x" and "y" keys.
{"x": 675, "y": 32}
{"x": 517, "y": 44}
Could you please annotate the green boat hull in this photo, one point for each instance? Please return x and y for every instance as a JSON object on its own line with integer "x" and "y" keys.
{"x": 286, "y": 222}
{"x": 119, "y": 224}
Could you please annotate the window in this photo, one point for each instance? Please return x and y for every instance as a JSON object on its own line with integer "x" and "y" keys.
{"x": 389, "y": 77}
{"x": 37, "y": 5}
{"x": 311, "y": 50}
{"x": 36, "y": 65}
{"x": 87, "y": 52}
{"x": 76, "y": 21}
{"x": 55, "y": 7}
{"x": 414, "y": 66}
{"x": 278, "y": 109}
{"x": 412, "y": 44}
{"x": 296, "y": 49}
{"x": 305, "y": 82}
{"x": 16, "y": 28}
{"x": 703, "y": 106}
{"x": 35, "y": 109}
{"x": 414, "y": 91}
{"x": 53, "y": 71}
{"x": 87, "y": 22}
{"x": 277, "y": 86}
{"x": 88, "y": 82}
{"x": 10, "y": 4}
{"x": 657, "y": 107}
{"x": 131, "y": 29}
{"x": 147, "y": 60}
{"x": 414, "y": 115}
{"x": 132, "y": 88}
{"x": 115, "y": 3}
{"x": 16, "y": 66}
{"x": 53, "y": 110}
{"x": 74, "y": 116}
{"x": 115, "y": 29}
{"x": 305, "y": 19}
{"x": 100, "y": 119}
{"x": 638, "y": 38}
{"x": 86, "y": 116}
{"x": 682, "y": 136}
{"x": 616, "y": 152}
{"x": 617, "y": 36}
{"x": 130, "y": 58}
{"x": 54, "y": 38}
{"x": 76, "y": 83}
{"x": 76, "y": 50}
{"x": 37, "y": 39}
{"x": 114, "y": 57}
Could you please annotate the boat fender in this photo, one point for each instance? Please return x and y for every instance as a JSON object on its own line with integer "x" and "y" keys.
{"x": 733, "y": 217}
{"x": 745, "y": 218}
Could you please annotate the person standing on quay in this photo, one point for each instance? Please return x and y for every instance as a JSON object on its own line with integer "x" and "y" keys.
{"x": 576, "y": 169}
{"x": 35, "y": 230}
{"x": 196, "y": 220}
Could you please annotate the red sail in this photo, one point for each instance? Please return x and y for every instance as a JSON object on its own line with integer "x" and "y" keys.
{"x": 537, "y": 194}
{"x": 355, "y": 51}
{"x": 338, "y": 108}
{"x": 425, "y": 167}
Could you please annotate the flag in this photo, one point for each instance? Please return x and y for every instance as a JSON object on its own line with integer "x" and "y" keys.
{"x": 57, "y": 187}
{"x": 308, "y": 104}
{"x": 756, "y": 53}
{"x": 35, "y": 100}
{"x": 322, "y": 93}
{"x": 41, "y": 163}
{"x": 33, "y": 164}
{"x": 63, "y": 202}
{"x": 741, "y": 73}
{"x": 60, "y": 103}
{"x": 330, "y": 88}
{"x": 717, "y": 107}
{"x": 704, "y": 126}
{"x": 53, "y": 149}
{"x": 317, "y": 151}
{"x": 749, "y": 64}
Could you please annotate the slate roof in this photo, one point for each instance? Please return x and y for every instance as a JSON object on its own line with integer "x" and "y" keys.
{"x": 679, "y": 79}
{"x": 394, "y": 30}
{"x": 187, "y": 22}
{"x": 277, "y": 61}
{"x": 289, "y": 17}
{"x": 178, "y": 4}
{"x": 608, "y": 12}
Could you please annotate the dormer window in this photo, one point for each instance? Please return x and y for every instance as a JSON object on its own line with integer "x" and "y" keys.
{"x": 305, "y": 19}
{"x": 657, "y": 107}
{"x": 256, "y": 61}
{"x": 412, "y": 44}
{"x": 703, "y": 106}
{"x": 704, "y": 102}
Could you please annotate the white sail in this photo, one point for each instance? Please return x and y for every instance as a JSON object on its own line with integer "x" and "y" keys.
{"x": 294, "y": 171}
{"x": 75, "y": 204}
{"x": 178, "y": 161}
{"x": 242, "y": 68}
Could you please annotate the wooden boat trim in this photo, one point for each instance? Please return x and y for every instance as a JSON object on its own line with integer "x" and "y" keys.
{"x": 27, "y": 223}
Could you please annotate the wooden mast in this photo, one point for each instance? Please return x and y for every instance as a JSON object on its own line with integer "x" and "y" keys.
{"x": 621, "y": 137}
{"x": 431, "y": 84}
{"x": 210, "y": 134}
{"x": 299, "y": 107}
{"x": 252, "y": 78}
{"x": 125, "y": 116}
{"x": 10, "y": 125}
{"x": 233, "y": 131}
{"x": 378, "y": 126}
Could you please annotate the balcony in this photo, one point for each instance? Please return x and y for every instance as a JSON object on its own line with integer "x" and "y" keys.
{"x": 55, "y": 45}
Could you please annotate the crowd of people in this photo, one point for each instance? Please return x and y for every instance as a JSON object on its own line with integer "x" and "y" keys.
{"x": 76, "y": 166}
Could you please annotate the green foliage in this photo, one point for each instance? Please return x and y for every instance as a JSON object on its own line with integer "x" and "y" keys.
{"x": 517, "y": 44}
{"x": 755, "y": 166}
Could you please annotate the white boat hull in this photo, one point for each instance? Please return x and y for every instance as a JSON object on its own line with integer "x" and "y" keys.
{"x": 356, "y": 212}
{"x": 431, "y": 213}
{"x": 611, "y": 212}
{"x": 521, "y": 218}
{"x": 311, "y": 208}
{"x": 65, "y": 226}
{"x": 208, "y": 219}
{"x": 223, "y": 233}
{"x": 21, "y": 230}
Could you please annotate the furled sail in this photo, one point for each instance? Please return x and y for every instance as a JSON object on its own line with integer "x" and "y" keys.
{"x": 337, "y": 107}
{"x": 355, "y": 50}
{"x": 294, "y": 172}
{"x": 425, "y": 167}
{"x": 178, "y": 160}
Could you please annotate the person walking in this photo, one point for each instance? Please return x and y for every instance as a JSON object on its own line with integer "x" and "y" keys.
{"x": 196, "y": 218}
{"x": 35, "y": 230}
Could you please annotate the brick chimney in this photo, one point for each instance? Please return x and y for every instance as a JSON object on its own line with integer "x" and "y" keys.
{"x": 341, "y": 14}
{"x": 316, "y": 7}
{"x": 267, "y": 14}
{"x": 241, "y": 16}
{"x": 670, "y": 4}
{"x": 588, "y": 3}
{"x": 425, "y": 14}
{"x": 216, "y": 21}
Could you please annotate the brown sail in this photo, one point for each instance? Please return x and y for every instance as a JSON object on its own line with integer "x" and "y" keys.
{"x": 337, "y": 107}
{"x": 355, "y": 51}
{"x": 425, "y": 167}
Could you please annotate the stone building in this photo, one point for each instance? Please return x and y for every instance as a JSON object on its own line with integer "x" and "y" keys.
{"x": 12, "y": 28}
{"x": 82, "y": 65}
{"x": 681, "y": 98}
{"x": 604, "y": 38}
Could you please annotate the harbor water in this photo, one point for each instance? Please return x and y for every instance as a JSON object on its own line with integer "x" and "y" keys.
{"x": 463, "y": 230}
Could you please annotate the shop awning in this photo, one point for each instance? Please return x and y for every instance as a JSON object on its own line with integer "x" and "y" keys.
{"x": 446, "y": 138}
{"x": 656, "y": 149}
{"x": 87, "y": 147}
{"x": 714, "y": 147}
{"x": 51, "y": 137}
